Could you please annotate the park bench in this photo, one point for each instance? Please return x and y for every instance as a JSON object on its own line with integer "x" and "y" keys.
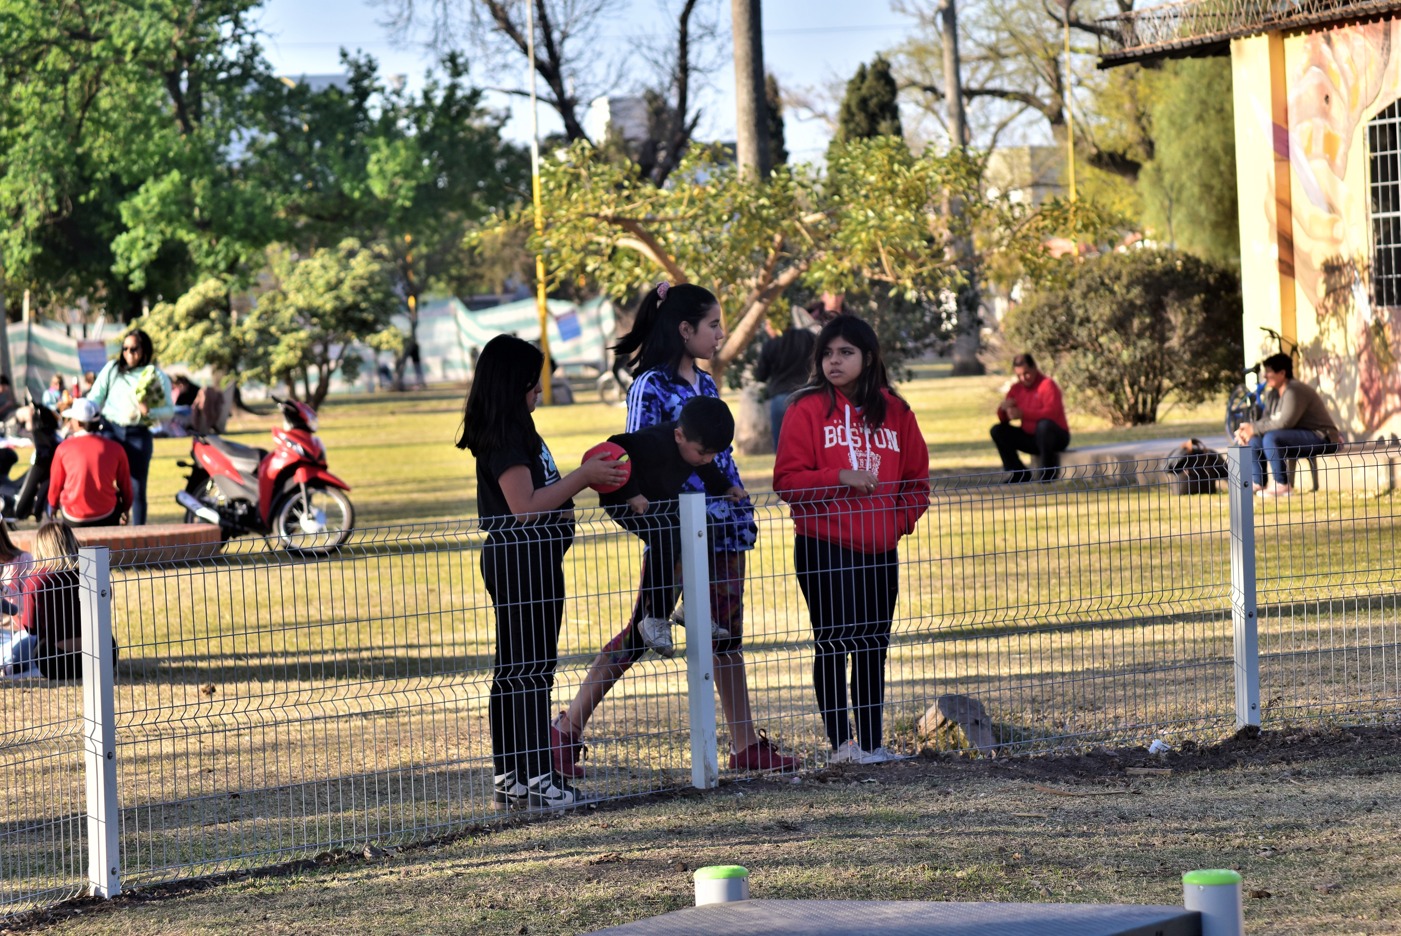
{"x": 137, "y": 545}
{"x": 1369, "y": 466}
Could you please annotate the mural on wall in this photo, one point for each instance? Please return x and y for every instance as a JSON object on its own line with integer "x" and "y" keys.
{"x": 1337, "y": 81}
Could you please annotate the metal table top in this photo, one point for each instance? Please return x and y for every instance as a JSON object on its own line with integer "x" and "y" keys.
{"x": 909, "y": 918}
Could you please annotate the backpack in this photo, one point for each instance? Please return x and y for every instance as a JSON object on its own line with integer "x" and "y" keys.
{"x": 1196, "y": 468}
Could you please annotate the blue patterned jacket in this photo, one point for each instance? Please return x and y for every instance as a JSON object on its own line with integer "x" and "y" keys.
{"x": 657, "y": 396}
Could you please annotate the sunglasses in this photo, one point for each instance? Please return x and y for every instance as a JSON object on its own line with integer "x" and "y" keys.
{"x": 134, "y": 349}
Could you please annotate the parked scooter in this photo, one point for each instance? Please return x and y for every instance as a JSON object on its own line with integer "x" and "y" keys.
{"x": 287, "y": 493}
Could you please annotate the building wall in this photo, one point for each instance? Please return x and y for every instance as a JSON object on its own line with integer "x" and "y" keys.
{"x": 1302, "y": 104}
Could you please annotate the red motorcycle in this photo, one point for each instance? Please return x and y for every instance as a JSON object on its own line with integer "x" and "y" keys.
{"x": 287, "y": 493}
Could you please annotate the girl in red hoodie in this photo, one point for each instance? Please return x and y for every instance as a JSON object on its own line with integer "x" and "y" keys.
{"x": 854, "y": 469}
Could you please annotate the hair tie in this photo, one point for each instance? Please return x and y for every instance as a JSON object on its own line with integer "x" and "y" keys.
{"x": 662, "y": 289}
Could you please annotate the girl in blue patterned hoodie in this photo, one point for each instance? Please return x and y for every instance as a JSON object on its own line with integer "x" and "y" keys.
{"x": 675, "y": 327}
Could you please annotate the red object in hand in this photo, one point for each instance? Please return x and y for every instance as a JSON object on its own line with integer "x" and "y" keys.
{"x": 616, "y": 453}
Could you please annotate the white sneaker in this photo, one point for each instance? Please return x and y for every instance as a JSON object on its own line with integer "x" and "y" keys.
{"x": 678, "y": 617}
{"x": 848, "y": 753}
{"x": 852, "y": 753}
{"x": 656, "y": 634}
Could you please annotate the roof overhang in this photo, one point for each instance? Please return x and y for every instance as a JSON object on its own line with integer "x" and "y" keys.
{"x": 1204, "y": 28}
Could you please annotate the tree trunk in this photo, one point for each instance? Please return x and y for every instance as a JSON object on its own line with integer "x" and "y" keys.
{"x": 323, "y": 387}
{"x": 752, "y": 132}
{"x": 401, "y": 360}
{"x": 753, "y": 433}
{"x": 968, "y": 322}
{"x": 968, "y": 341}
{"x": 227, "y": 387}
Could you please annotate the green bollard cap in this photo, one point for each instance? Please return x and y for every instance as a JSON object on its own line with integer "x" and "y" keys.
{"x": 1218, "y": 878}
{"x": 721, "y": 872}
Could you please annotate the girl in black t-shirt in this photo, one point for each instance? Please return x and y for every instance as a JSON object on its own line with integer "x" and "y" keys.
{"x": 527, "y": 511}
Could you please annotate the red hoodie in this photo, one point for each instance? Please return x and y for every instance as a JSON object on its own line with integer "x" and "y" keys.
{"x": 815, "y": 446}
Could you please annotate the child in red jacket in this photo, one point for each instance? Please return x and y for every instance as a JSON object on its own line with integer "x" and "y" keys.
{"x": 854, "y": 469}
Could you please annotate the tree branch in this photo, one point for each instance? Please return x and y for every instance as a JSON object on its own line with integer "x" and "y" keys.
{"x": 642, "y": 241}
{"x": 748, "y": 323}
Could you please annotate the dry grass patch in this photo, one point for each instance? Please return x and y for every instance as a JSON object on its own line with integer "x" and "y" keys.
{"x": 1309, "y": 818}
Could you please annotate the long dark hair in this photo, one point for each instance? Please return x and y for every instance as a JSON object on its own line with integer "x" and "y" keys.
{"x": 874, "y": 378}
{"x": 8, "y": 550}
{"x": 495, "y": 414}
{"x": 655, "y": 338}
{"x": 148, "y": 351}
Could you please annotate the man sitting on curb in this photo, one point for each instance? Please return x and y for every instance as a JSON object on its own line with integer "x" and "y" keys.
{"x": 1036, "y": 401}
{"x": 1296, "y": 425}
{"x": 90, "y": 483}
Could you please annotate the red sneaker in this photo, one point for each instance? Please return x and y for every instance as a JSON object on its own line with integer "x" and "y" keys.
{"x": 762, "y": 755}
{"x": 566, "y": 749}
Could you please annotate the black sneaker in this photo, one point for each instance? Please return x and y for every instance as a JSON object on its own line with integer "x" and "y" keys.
{"x": 551, "y": 791}
{"x": 509, "y": 793}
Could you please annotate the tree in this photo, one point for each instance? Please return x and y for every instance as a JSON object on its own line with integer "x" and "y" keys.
{"x": 968, "y": 297}
{"x": 200, "y": 329}
{"x": 1016, "y": 75}
{"x": 751, "y": 124}
{"x": 412, "y": 172}
{"x": 569, "y": 62}
{"x": 773, "y": 100}
{"x": 1193, "y": 123}
{"x": 876, "y": 217}
{"x": 871, "y": 106}
{"x": 307, "y": 325}
{"x": 118, "y": 131}
{"x": 1127, "y": 331}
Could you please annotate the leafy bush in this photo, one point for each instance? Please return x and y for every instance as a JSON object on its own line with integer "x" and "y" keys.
{"x": 1124, "y": 332}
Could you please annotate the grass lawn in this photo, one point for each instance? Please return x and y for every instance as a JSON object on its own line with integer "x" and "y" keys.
{"x": 396, "y": 451}
{"x": 266, "y": 706}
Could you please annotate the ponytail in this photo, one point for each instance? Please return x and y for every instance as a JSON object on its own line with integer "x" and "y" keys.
{"x": 654, "y": 341}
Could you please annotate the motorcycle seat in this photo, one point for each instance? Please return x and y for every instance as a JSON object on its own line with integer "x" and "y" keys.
{"x": 245, "y": 457}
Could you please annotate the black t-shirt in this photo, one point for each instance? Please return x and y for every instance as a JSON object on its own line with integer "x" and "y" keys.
{"x": 491, "y": 503}
{"x": 659, "y": 473}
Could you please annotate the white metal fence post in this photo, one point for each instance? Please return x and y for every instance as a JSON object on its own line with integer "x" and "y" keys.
{"x": 700, "y": 661}
{"x": 99, "y": 722}
{"x": 1243, "y": 610}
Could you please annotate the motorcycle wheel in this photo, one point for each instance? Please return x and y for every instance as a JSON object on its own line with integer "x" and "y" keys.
{"x": 1240, "y": 408}
{"x": 610, "y": 390}
{"x": 313, "y": 519}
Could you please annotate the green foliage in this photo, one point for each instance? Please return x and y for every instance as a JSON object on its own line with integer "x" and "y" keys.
{"x": 1189, "y": 187}
{"x": 870, "y": 107}
{"x": 413, "y": 172}
{"x": 201, "y": 330}
{"x": 1125, "y": 331}
{"x": 117, "y": 128}
{"x": 876, "y": 220}
{"x": 306, "y": 325}
{"x": 147, "y": 147}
